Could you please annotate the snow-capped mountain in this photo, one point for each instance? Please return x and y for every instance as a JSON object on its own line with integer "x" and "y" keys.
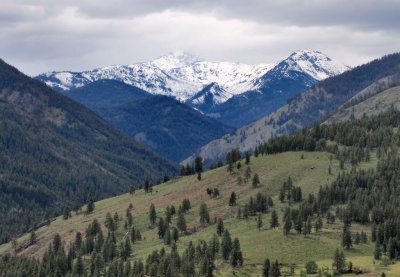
{"x": 211, "y": 86}
{"x": 178, "y": 74}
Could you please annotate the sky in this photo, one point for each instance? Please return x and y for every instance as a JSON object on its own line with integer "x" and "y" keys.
{"x": 45, "y": 35}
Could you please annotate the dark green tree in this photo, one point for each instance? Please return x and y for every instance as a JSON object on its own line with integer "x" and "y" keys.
{"x": 204, "y": 214}
{"x": 232, "y": 199}
{"x": 226, "y": 245}
{"x": 220, "y": 227}
{"x": 274, "y": 222}
{"x": 152, "y": 214}
{"x": 266, "y": 268}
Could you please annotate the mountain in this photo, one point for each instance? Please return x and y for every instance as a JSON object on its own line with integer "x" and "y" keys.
{"x": 298, "y": 72}
{"x": 162, "y": 123}
{"x": 377, "y": 98}
{"x": 55, "y": 152}
{"x": 305, "y": 109}
{"x": 217, "y": 89}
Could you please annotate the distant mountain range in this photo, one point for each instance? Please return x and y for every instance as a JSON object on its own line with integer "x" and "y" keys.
{"x": 160, "y": 122}
{"x": 232, "y": 93}
{"x": 55, "y": 152}
{"x": 330, "y": 97}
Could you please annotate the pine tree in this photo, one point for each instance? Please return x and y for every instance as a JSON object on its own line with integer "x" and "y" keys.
{"x": 78, "y": 241}
{"x": 347, "y": 241}
{"x": 181, "y": 223}
{"x": 230, "y": 168}
{"x": 90, "y": 206}
{"x": 109, "y": 223}
{"x": 78, "y": 267}
{"x": 274, "y": 222}
{"x": 287, "y": 224}
{"x": 175, "y": 234}
{"x": 308, "y": 225}
{"x": 357, "y": 238}
{"x": 275, "y": 269}
{"x": 198, "y": 164}
{"x": 204, "y": 215}
{"x": 220, "y": 227}
{"x": 152, "y": 214}
{"x": 168, "y": 237}
{"x": 127, "y": 249}
{"x": 266, "y": 268}
{"x": 226, "y": 245}
{"x": 247, "y": 174}
{"x": 377, "y": 250}
{"x": 339, "y": 261}
{"x": 247, "y": 158}
{"x": 282, "y": 195}
{"x": 256, "y": 180}
{"x": 32, "y": 238}
{"x": 236, "y": 254}
{"x": 391, "y": 249}
{"x": 259, "y": 222}
{"x": 232, "y": 199}
{"x": 318, "y": 224}
{"x": 162, "y": 228}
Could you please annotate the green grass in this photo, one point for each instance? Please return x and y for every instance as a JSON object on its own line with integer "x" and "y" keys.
{"x": 310, "y": 173}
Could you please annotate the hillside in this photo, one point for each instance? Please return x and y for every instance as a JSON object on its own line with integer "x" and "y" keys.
{"x": 334, "y": 199}
{"x": 256, "y": 245}
{"x": 376, "y": 98}
{"x": 56, "y": 154}
{"x": 305, "y": 109}
{"x": 162, "y": 123}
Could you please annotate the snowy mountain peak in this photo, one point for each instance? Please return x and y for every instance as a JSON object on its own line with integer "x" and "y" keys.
{"x": 317, "y": 64}
{"x": 175, "y": 60}
{"x": 183, "y": 75}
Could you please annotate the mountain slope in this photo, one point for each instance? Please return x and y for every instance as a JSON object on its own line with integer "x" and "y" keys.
{"x": 305, "y": 109}
{"x": 298, "y": 72}
{"x": 159, "y": 122}
{"x": 374, "y": 99}
{"x": 218, "y": 89}
{"x": 55, "y": 152}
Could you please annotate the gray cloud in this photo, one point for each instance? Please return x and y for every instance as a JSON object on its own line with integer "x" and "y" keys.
{"x": 76, "y": 35}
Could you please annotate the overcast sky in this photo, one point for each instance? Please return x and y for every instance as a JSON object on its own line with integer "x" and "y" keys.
{"x": 45, "y": 35}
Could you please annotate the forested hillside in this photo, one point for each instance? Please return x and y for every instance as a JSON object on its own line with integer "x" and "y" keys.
{"x": 305, "y": 109}
{"x": 322, "y": 201}
{"x": 160, "y": 122}
{"x": 56, "y": 155}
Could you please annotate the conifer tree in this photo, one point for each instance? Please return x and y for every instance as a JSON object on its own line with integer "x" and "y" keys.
{"x": 204, "y": 215}
{"x": 220, "y": 227}
{"x": 339, "y": 261}
{"x": 256, "y": 180}
{"x": 232, "y": 199}
{"x": 347, "y": 241}
{"x": 181, "y": 222}
{"x": 266, "y": 268}
{"x": 236, "y": 254}
{"x": 226, "y": 245}
{"x": 274, "y": 222}
{"x": 152, "y": 214}
{"x": 259, "y": 222}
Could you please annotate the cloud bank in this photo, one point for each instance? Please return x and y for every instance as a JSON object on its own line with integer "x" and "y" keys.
{"x": 76, "y": 35}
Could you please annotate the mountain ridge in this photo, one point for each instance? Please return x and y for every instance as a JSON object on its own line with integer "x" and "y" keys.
{"x": 304, "y": 109}
{"x": 182, "y": 75}
{"x": 54, "y": 152}
{"x": 160, "y": 122}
